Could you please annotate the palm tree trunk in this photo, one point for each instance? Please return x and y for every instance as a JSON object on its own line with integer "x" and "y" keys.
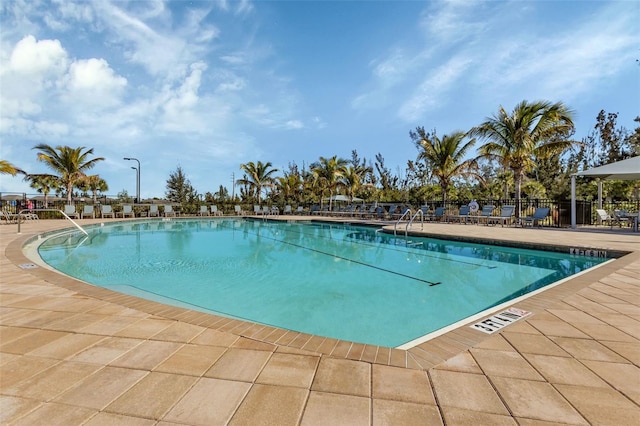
{"x": 518, "y": 176}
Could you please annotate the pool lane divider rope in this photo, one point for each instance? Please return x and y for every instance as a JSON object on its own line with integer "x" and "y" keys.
{"x": 431, "y": 283}
{"x": 386, "y": 247}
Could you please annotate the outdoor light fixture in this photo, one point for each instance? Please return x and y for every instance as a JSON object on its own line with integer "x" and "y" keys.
{"x": 137, "y": 177}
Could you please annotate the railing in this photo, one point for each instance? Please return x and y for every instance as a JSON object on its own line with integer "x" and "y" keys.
{"x": 48, "y": 210}
{"x": 418, "y": 212}
{"x": 395, "y": 226}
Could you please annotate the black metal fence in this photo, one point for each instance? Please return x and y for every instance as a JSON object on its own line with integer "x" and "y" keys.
{"x": 559, "y": 211}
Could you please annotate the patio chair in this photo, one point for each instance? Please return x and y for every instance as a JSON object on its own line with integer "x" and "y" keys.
{"x": 287, "y": 209}
{"x": 485, "y": 213}
{"x": 300, "y": 210}
{"x": 621, "y": 217}
{"x": 153, "y": 210}
{"x": 168, "y": 210}
{"x": 8, "y": 217}
{"x": 257, "y": 210}
{"x": 215, "y": 211}
{"x": 70, "y": 210}
{"x": 204, "y": 211}
{"x": 539, "y": 215}
{"x": 392, "y": 211}
{"x": 605, "y": 217}
{"x": 274, "y": 210}
{"x": 463, "y": 215}
{"x": 505, "y": 217}
{"x": 127, "y": 210}
{"x": 437, "y": 215}
{"x": 370, "y": 212}
{"x": 238, "y": 210}
{"x": 88, "y": 211}
{"x": 106, "y": 210}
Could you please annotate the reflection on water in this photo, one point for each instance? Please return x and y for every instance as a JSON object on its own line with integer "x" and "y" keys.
{"x": 340, "y": 281}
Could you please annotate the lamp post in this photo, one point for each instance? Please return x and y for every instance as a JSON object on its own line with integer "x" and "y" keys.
{"x": 136, "y": 169}
{"x": 137, "y": 177}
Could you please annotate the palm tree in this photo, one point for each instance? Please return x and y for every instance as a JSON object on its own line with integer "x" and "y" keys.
{"x": 444, "y": 156}
{"x": 258, "y": 176}
{"x": 290, "y": 187}
{"x": 532, "y": 130}
{"x": 44, "y": 184}
{"x": 351, "y": 180}
{"x": 69, "y": 163}
{"x": 327, "y": 174}
{"x": 95, "y": 184}
{"x": 6, "y": 168}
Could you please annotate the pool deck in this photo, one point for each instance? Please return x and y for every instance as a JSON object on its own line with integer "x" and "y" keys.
{"x": 71, "y": 353}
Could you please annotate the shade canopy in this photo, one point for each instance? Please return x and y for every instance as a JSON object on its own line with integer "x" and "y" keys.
{"x": 628, "y": 169}
{"x": 341, "y": 197}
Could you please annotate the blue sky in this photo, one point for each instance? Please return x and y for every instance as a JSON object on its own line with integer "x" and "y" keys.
{"x": 209, "y": 85}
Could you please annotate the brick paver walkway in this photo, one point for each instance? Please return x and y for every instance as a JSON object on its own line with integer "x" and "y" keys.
{"x": 71, "y": 355}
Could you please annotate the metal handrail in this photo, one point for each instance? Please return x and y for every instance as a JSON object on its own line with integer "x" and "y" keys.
{"x": 406, "y": 228}
{"x": 408, "y": 211}
{"x": 49, "y": 210}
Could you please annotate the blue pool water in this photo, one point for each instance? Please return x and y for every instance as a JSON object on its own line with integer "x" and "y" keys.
{"x": 345, "y": 282}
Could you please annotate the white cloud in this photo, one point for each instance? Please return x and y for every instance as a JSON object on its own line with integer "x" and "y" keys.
{"x": 179, "y": 105}
{"x": 93, "y": 82}
{"x": 453, "y": 20}
{"x": 565, "y": 65}
{"x": 244, "y": 7}
{"x": 40, "y": 58}
{"x": 62, "y": 17}
{"x": 293, "y": 124}
{"x": 429, "y": 94}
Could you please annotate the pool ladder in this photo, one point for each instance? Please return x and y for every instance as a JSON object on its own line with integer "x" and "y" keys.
{"x": 412, "y": 218}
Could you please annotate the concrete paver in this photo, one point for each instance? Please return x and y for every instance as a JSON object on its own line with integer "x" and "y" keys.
{"x": 74, "y": 354}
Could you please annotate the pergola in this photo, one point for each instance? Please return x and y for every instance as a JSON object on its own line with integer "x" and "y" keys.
{"x": 628, "y": 169}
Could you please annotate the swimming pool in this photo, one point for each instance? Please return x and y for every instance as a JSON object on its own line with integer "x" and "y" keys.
{"x": 346, "y": 282}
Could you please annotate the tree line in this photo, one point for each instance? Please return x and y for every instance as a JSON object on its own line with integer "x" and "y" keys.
{"x": 529, "y": 151}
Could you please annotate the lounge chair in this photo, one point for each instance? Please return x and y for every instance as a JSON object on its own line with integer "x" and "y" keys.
{"x": 8, "y": 217}
{"x": 463, "y": 215}
{"x": 204, "y": 211}
{"x": 153, "y": 210}
{"x": 392, "y": 211}
{"x": 621, "y": 216}
{"x": 257, "y": 210}
{"x": 485, "y": 213}
{"x": 437, "y": 215}
{"x": 287, "y": 209}
{"x": 88, "y": 211}
{"x": 274, "y": 210}
{"x": 215, "y": 211}
{"x": 238, "y": 210}
{"x": 538, "y": 216}
{"x": 168, "y": 210}
{"x": 106, "y": 210}
{"x": 368, "y": 213}
{"x": 505, "y": 217}
{"x": 70, "y": 210}
{"x": 299, "y": 210}
{"x": 605, "y": 218}
{"x": 127, "y": 210}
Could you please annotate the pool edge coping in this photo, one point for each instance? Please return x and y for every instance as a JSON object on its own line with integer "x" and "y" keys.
{"x": 422, "y": 356}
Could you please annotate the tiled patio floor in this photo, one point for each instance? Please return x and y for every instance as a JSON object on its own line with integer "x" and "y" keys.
{"x": 74, "y": 354}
